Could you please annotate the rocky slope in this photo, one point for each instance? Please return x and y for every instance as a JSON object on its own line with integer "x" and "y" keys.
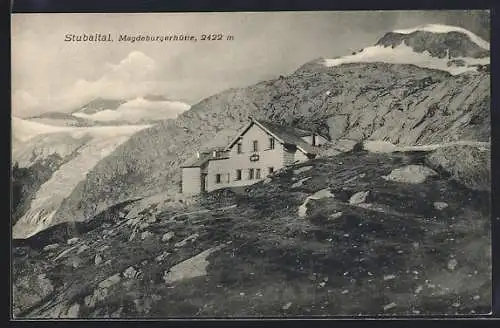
{"x": 403, "y": 103}
{"x": 359, "y": 233}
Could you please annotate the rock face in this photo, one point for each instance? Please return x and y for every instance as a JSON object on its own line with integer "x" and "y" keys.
{"x": 29, "y": 290}
{"x": 323, "y": 193}
{"x": 470, "y": 166}
{"x": 102, "y": 290}
{"x": 442, "y": 45}
{"x": 456, "y": 62}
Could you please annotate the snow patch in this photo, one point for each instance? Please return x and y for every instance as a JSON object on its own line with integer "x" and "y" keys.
{"x": 404, "y": 54}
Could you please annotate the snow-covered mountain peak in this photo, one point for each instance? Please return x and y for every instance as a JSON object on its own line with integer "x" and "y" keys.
{"x": 447, "y": 48}
{"x": 439, "y": 28}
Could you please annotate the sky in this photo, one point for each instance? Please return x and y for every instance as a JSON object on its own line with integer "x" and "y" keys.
{"x": 49, "y": 74}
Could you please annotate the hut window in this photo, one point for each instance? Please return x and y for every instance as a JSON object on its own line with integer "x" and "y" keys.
{"x": 271, "y": 143}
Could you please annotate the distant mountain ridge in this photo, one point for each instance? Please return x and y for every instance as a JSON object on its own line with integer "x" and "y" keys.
{"x": 100, "y": 104}
{"x": 148, "y": 109}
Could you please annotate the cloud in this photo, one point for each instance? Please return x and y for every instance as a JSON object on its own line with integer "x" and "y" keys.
{"x": 134, "y": 76}
{"x": 135, "y": 66}
{"x": 49, "y": 74}
{"x": 23, "y": 103}
{"x": 139, "y": 109}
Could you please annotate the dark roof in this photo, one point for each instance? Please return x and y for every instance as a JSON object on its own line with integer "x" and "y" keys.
{"x": 287, "y": 135}
{"x": 198, "y": 162}
{"x": 285, "y": 130}
{"x": 290, "y": 135}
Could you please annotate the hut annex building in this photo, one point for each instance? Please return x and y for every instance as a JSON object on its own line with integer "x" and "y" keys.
{"x": 258, "y": 150}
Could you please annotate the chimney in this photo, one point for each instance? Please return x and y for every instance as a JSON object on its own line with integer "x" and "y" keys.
{"x": 314, "y": 139}
{"x": 197, "y": 154}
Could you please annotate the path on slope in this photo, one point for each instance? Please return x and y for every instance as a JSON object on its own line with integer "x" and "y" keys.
{"x": 446, "y": 144}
